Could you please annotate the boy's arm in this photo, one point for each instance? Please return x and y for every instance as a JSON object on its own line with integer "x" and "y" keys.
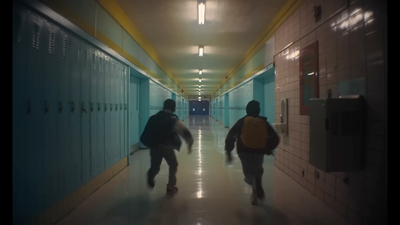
{"x": 184, "y": 132}
{"x": 233, "y": 134}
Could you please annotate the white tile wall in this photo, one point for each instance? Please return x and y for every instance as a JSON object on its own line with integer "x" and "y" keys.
{"x": 351, "y": 45}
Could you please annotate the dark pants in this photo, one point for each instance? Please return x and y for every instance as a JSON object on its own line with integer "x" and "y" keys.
{"x": 252, "y": 167}
{"x": 157, "y": 154}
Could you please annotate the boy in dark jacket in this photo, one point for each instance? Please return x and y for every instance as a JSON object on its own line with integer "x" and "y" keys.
{"x": 171, "y": 127}
{"x": 255, "y": 137}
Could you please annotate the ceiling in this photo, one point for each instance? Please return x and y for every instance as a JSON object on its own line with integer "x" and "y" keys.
{"x": 229, "y": 30}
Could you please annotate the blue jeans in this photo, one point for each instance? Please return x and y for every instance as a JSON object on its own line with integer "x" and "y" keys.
{"x": 252, "y": 166}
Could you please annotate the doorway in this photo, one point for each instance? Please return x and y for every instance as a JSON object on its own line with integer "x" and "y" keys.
{"x": 197, "y": 108}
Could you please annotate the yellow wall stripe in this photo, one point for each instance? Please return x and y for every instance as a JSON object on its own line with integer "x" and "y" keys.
{"x": 112, "y": 7}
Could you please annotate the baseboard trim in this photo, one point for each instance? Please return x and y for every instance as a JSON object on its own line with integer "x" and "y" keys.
{"x": 56, "y": 212}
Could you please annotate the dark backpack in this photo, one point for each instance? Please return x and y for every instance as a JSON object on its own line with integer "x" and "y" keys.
{"x": 158, "y": 128}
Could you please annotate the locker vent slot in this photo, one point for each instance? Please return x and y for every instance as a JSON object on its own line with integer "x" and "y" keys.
{"x": 18, "y": 29}
{"x": 64, "y": 48}
{"x": 107, "y": 65}
{"x": 93, "y": 60}
{"x": 101, "y": 65}
{"x": 51, "y": 42}
{"x": 35, "y": 38}
{"x": 85, "y": 56}
{"x": 75, "y": 54}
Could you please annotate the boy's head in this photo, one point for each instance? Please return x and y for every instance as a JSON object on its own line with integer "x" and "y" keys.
{"x": 169, "y": 104}
{"x": 253, "y": 108}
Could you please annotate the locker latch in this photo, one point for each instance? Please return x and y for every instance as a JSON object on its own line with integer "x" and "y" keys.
{"x": 98, "y": 106}
{"x": 105, "y": 106}
{"x": 83, "y": 107}
{"x": 125, "y": 106}
{"x": 111, "y": 108}
{"x": 46, "y": 106}
{"x": 72, "y": 106}
{"x": 91, "y": 106}
{"x": 29, "y": 106}
{"x": 61, "y": 106}
{"x": 116, "y": 106}
{"x": 120, "y": 106}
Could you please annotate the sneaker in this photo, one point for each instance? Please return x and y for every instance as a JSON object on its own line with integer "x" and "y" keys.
{"x": 254, "y": 200}
{"x": 258, "y": 189}
{"x": 171, "y": 191}
{"x": 150, "y": 182}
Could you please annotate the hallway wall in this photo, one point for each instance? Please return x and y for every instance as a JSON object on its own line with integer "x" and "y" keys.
{"x": 70, "y": 115}
{"x": 352, "y": 60}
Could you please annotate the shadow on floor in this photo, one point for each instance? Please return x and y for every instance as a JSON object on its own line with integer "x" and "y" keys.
{"x": 263, "y": 214}
{"x": 145, "y": 210}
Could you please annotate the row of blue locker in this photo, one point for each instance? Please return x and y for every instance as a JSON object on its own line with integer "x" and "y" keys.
{"x": 70, "y": 108}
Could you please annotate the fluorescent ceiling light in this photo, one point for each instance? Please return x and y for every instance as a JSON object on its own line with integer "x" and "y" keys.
{"x": 201, "y": 50}
{"x": 199, "y": 79}
{"x": 200, "y": 71}
{"x": 202, "y": 10}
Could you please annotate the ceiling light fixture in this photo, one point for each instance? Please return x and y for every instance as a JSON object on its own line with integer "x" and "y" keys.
{"x": 200, "y": 71}
{"x": 202, "y": 10}
{"x": 201, "y": 50}
{"x": 199, "y": 79}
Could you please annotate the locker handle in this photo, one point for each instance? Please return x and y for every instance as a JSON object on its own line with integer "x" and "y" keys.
{"x": 326, "y": 124}
{"x": 46, "y": 106}
{"x": 99, "y": 106}
{"x": 111, "y": 108}
{"x": 91, "y": 106}
{"x": 72, "y": 106}
{"x": 120, "y": 106}
{"x": 61, "y": 106}
{"x": 29, "y": 106}
{"x": 105, "y": 106}
{"x": 83, "y": 107}
{"x": 125, "y": 106}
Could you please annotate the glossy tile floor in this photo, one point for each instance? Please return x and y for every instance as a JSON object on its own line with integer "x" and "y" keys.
{"x": 210, "y": 192}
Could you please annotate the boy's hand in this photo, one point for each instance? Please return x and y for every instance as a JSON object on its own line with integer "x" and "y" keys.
{"x": 190, "y": 150}
{"x": 229, "y": 158}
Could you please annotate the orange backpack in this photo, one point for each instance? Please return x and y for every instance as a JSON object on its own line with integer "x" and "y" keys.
{"x": 254, "y": 133}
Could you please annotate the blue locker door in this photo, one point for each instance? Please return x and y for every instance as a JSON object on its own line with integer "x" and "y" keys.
{"x": 63, "y": 136}
{"x": 21, "y": 42}
{"x": 112, "y": 92}
{"x": 75, "y": 114}
{"x": 101, "y": 113}
{"x": 95, "y": 107}
{"x": 85, "y": 111}
{"x": 107, "y": 116}
{"x": 133, "y": 111}
{"x": 121, "y": 112}
{"x": 126, "y": 76}
{"x": 115, "y": 124}
{"x": 35, "y": 122}
{"x": 51, "y": 145}
{"x": 116, "y": 134}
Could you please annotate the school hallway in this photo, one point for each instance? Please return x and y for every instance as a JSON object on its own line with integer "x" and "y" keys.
{"x": 210, "y": 192}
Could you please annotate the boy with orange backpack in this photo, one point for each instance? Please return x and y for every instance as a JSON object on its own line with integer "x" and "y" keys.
{"x": 255, "y": 137}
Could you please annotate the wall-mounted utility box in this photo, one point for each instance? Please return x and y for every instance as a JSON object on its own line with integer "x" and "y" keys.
{"x": 338, "y": 133}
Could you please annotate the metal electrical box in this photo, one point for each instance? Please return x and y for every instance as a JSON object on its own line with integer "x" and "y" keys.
{"x": 338, "y": 133}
